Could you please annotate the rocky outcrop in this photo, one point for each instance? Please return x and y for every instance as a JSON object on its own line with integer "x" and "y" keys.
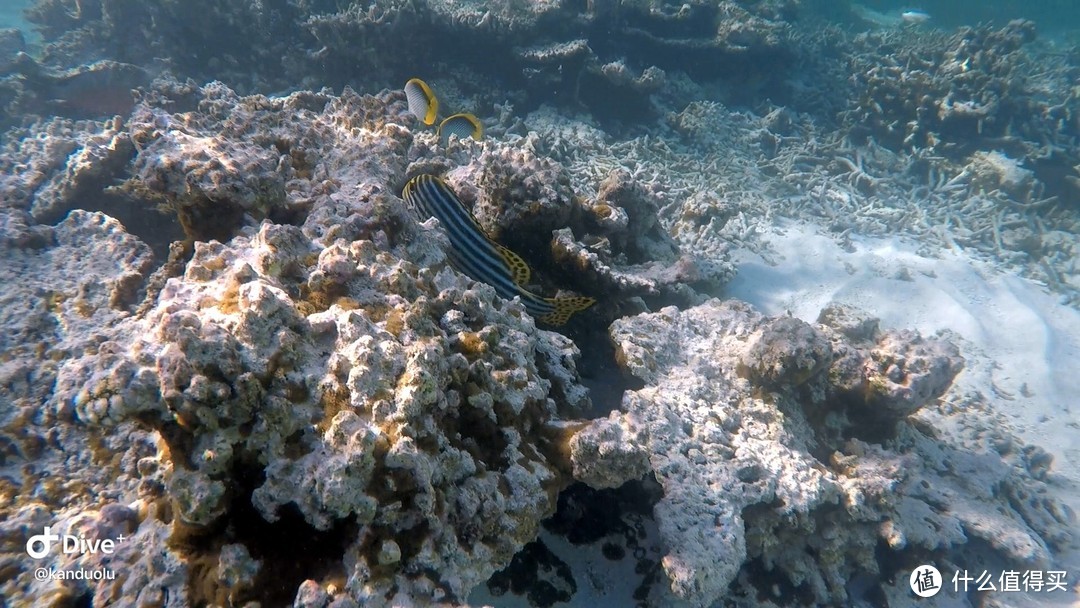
{"x": 763, "y": 466}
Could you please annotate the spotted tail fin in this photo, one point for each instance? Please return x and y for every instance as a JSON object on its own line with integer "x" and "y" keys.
{"x": 565, "y": 307}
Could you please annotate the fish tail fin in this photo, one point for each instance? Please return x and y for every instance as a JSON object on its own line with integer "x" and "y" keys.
{"x": 565, "y": 307}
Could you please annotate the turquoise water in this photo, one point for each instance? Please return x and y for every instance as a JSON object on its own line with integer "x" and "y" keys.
{"x": 11, "y": 15}
{"x": 1050, "y": 15}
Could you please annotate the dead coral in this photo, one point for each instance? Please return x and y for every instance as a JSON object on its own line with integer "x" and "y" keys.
{"x": 755, "y": 476}
{"x": 949, "y": 94}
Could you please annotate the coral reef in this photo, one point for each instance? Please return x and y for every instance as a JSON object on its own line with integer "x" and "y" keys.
{"x": 966, "y": 139}
{"x": 767, "y": 486}
{"x": 953, "y": 94}
{"x": 52, "y": 168}
{"x": 613, "y": 243}
{"x": 229, "y": 341}
{"x": 584, "y": 53}
{"x": 307, "y": 365}
{"x": 394, "y": 404}
{"x": 64, "y": 285}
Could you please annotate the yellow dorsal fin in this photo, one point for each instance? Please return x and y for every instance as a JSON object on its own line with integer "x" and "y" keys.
{"x": 519, "y": 269}
{"x": 565, "y": 307}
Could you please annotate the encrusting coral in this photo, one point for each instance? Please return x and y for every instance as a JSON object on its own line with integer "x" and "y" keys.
{"x": 744, "y": 421}
{"x": 328, "y": 374}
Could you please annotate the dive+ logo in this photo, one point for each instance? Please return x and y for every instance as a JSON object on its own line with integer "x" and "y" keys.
{"x": 40, "y": 545}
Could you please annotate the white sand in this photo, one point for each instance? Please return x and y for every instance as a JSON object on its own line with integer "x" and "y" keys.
{"x": 1014, "y": 332}
{"x": 1021, "y": 346}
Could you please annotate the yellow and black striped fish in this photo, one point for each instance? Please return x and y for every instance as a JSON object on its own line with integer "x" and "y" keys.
{"x": 473, "y": 253}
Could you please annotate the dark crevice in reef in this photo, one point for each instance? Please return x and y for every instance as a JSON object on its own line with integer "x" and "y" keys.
{"x": 595, "y": 92}
{"x": 597, "y": 367}
{"x": 206, "y": 219}
{"x": 585, "y": 516}
{"x": 179, "y": 255}
{"x": 158, "y": 230}
{"x": 290, "y": 550}
{"x": 523, "y": 577}
{"x": 773, "y": 585}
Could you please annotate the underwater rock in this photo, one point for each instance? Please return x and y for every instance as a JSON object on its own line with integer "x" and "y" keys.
{"x": 64, "y": 283}
{"x": 334, "y": 377}
{"x": 84, "y": 272}
{"x": 418, "y": 397}
{"x": 515, "y": 193}
{"x": 330, "y": 375}
{"x": 996, "y": 171}
{"x": 786, "y": 352}
{"x": 54, "y": 166}
{"x": 526, "y": 200}
{"x": 201, "y": 166}
{"x": 883, "y": 376}
{"x": 661, "y": 278}
{"x": 906, "y": 371}
{"x": 624, "y": 249}
{"x": 627, "y": 215}
{"x": 751, "y": 476}
{"x": 608, "y": 453}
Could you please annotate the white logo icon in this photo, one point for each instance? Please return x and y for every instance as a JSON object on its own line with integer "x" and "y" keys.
{"x": 39, "y": 544}
{"x": 925, "y": 581}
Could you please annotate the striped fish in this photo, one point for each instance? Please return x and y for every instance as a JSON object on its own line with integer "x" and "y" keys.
{"x": 422, "y": 101}
{"x": 425, "y": 107}
{"x": 462, "y": 125}
{"x": 473, "y": 253}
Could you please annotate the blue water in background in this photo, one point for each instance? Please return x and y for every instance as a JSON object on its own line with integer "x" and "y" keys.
{"x": 1050, "y": 15}
{"x": 11, "y": 15}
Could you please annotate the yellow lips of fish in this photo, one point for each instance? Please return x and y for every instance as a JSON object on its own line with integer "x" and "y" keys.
{"x": 422, "y": 101}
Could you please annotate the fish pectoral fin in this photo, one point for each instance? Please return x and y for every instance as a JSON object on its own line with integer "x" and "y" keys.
{"x": 565, "y": 307}
{"x": 519, "y": 269}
